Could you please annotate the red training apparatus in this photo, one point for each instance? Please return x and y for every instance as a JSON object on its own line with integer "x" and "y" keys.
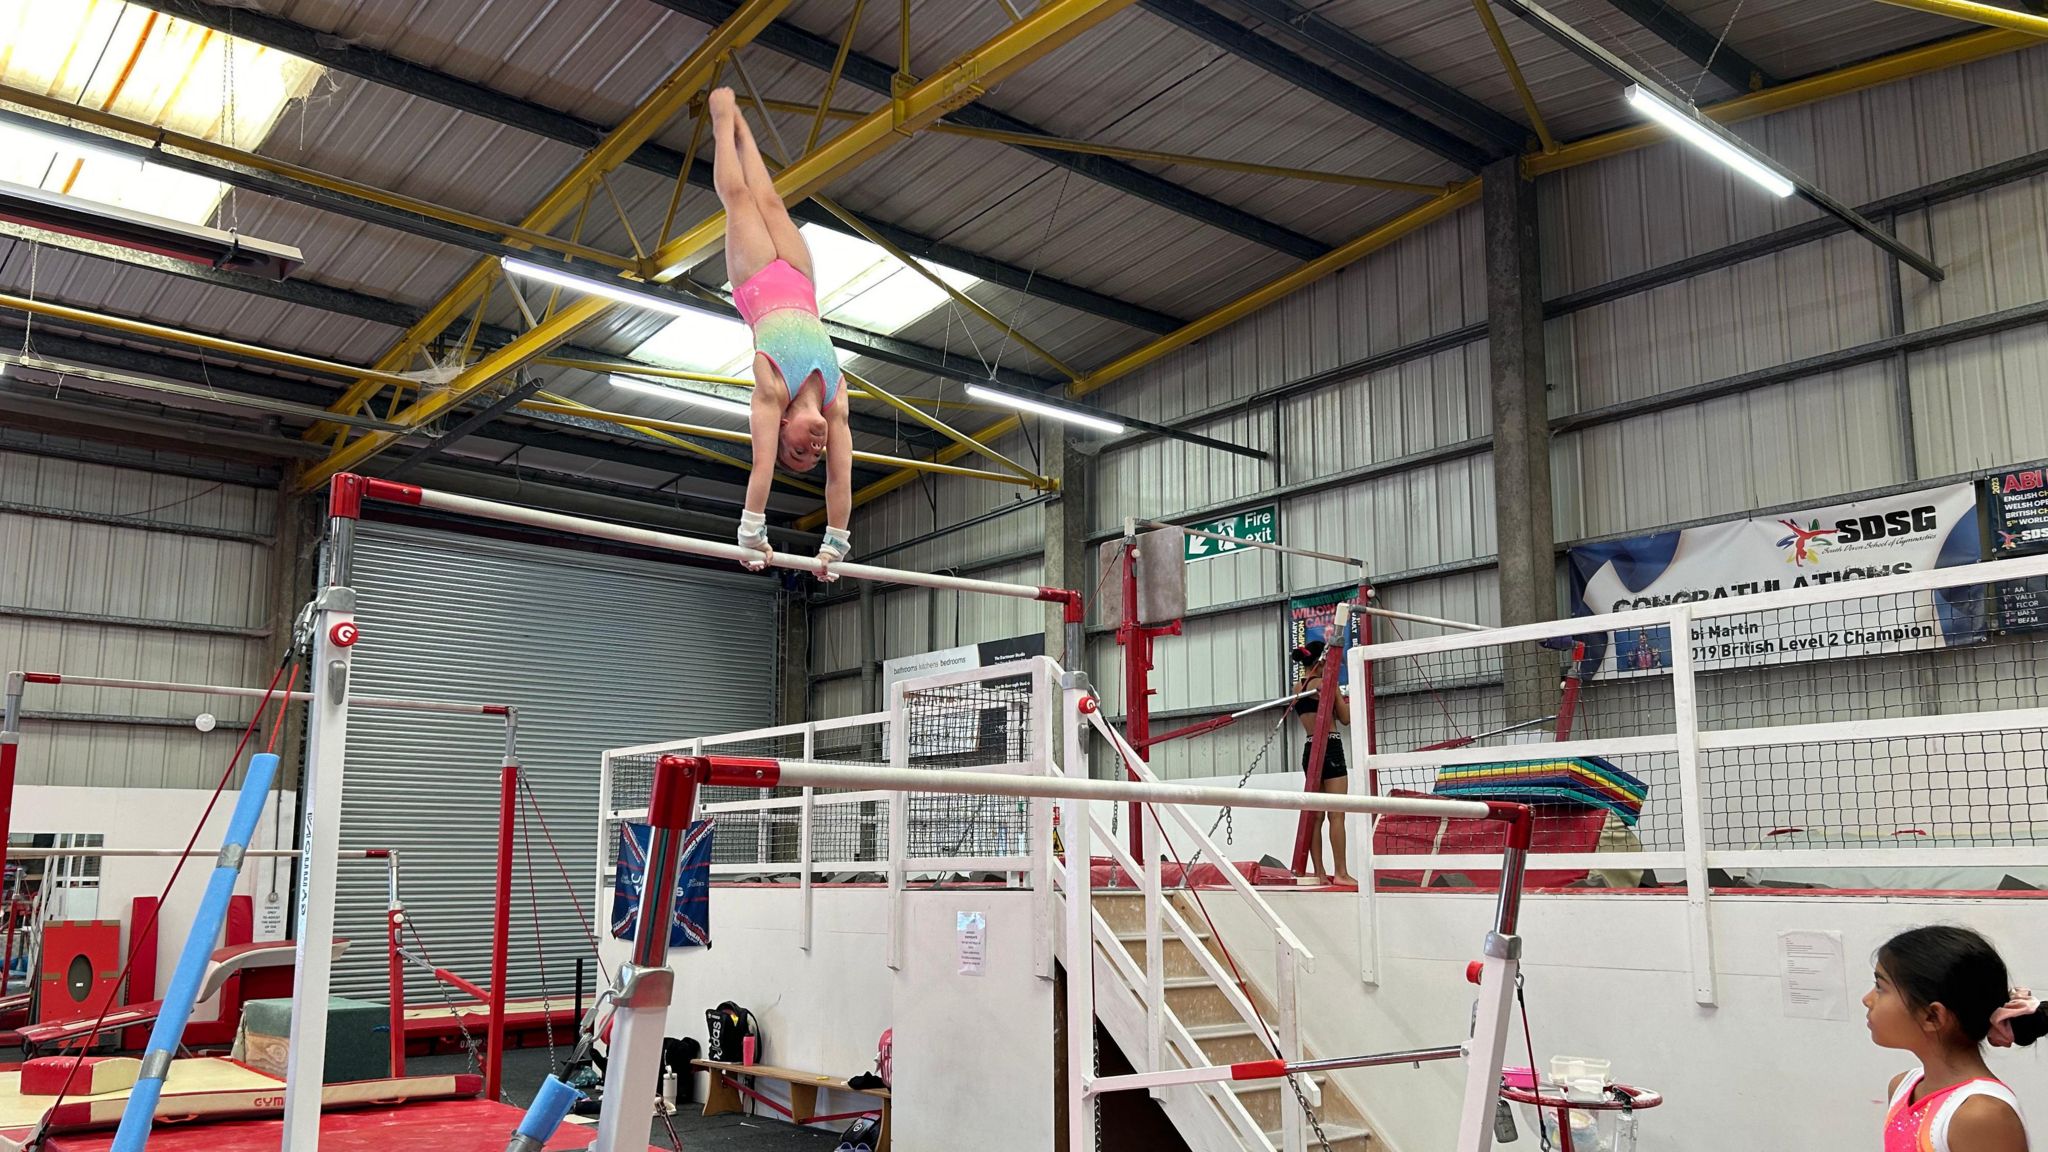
{"x": 1258, "y": 1070}
{"x": 1519, "y": 818}
{"x": 347, "y": 491}
{"x": 1076, "y": 609}
{"x": 738, "y": 771}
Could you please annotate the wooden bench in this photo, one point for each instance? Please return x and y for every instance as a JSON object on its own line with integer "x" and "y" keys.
{"x": 727, "y": 1095}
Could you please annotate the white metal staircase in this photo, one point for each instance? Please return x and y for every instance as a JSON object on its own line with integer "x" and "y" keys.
{"x": 1165, "y": 989}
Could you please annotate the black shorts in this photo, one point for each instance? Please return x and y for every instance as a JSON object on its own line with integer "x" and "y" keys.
{"x": 1334, "y": 767}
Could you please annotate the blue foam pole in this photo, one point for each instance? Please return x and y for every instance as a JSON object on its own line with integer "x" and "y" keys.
{"x": 550, "y": 1104}
{"x": 183, "y": 993}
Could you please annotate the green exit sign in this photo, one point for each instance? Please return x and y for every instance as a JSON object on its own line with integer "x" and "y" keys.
{"x": 1253, "y": 526}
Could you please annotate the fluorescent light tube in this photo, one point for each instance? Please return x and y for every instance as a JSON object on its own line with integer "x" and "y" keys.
{"x": 680, "y": 395}
{"x": 590, "y": 286}
{"x": 1050, "y": 412}
{"x": 1685, "y": 124}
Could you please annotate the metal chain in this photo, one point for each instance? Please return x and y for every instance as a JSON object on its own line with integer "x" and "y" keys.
{"x": 1322, "y": 1137}
{"x": 1225, "y": 818}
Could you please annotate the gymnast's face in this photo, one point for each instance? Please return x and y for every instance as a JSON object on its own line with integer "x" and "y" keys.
{"x": 803, "y": 442}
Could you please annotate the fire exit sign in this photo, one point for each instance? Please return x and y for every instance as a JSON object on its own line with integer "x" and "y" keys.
{"x": 1254, "y": 525}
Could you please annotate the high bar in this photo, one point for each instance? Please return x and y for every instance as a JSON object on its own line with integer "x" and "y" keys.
{"x": 350, "y": 491}
{"x": 1438, "y": 621}
{"x": 759, "y": 772}
{"x": 394, "y": 703}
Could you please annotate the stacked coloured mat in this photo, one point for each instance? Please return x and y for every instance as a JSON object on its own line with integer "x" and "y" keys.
{"x": 1586, "y": 780}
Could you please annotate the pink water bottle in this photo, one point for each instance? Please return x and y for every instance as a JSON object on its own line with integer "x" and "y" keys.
{"x": 747, "y": 1050}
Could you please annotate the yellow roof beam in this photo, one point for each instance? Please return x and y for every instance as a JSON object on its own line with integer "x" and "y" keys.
{"x": 963, "y": 81}
{"x": 640, "y": 126}
{"x": 1884, "y": 70}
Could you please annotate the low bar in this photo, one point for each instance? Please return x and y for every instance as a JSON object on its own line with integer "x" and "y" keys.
{"x": 756, "y": 772}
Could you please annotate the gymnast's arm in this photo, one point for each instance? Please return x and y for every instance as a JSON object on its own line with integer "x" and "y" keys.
{"x": 838, "y": 488}
{"x": 764, "y": 419}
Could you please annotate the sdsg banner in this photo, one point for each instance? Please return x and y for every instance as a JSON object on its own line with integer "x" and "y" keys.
{"x": 1911, "y": 532}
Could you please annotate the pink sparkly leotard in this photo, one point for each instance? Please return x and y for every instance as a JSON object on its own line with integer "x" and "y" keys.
{"x": 1922, "y": 1125}
{"x": 781, "y": 305}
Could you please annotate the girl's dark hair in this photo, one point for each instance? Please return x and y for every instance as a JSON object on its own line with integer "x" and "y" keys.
{"x": 1959, "y": 970}
{"x": 1309, "y": 654}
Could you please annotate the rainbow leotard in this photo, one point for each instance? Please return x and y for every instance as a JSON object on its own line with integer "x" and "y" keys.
{"x": 781, "y": 305}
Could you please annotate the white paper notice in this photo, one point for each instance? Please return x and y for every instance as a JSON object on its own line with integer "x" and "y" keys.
{"x": 972, "y": 930}
{"x": 1811, "y": 971}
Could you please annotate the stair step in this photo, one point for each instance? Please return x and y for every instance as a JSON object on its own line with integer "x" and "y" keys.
{"x": 1343, "y": 1137}
{"x": 1127, "y": 935}
{"x": 1222, "y": 1031}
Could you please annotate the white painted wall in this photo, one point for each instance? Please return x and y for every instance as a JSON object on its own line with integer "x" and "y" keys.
{"x": 164, "y": 818}
{"x": 973, "y": 1054}
{"x": 1608, "y": 976}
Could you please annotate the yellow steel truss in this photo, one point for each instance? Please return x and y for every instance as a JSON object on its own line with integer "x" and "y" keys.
{"x": 961, "y": 82}
{"x": 1884, "y": 70}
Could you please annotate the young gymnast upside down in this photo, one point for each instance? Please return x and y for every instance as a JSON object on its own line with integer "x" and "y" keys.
{"x": 799, "y": 407}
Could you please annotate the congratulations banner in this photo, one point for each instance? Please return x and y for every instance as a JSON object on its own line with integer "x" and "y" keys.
{"x": 1858, "y": 541}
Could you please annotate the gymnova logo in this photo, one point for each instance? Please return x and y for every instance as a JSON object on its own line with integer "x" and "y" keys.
{"x": 1805, "y": 545}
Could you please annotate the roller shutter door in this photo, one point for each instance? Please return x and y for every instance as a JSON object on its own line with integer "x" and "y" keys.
{"x": 595, "y": 652}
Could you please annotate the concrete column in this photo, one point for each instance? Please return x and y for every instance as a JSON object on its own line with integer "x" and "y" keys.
{"x": 793, "y": 660}
{"x": 1067, "y": 562}
{"x": 1524, "y": 530}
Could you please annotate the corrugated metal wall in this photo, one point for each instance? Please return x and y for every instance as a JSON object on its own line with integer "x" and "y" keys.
{"x": 123, "y": 572}
{"x": 1427, "y": 528}
{"x": 596, "y": 652}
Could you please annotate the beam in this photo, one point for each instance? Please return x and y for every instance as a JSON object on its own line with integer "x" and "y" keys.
{"x": 1309, "y": 76}
{"x": 441, "y": 88}
{"x": 2031, "y": 23}
{"x": 1884, "y": 70}
{"x": 230, "y": 378}
{"x": 647, "y": 118}
{"x": 1052, "y": 25}
{"x": 308, "y": 293}
{"x": 1294, "y": 20}
{"x": 873, "y": 75}
{"x": 234, "y": 167}
{"x": 1713, "y": 53}
{"x": 1557, "y": 29}
{"x": 1796, "y": 94}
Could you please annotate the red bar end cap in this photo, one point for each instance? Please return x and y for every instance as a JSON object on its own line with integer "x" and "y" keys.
{"x": 1474, "y": 970}
{"x": 345, "y": 496}
{"x": 675, "y": 790}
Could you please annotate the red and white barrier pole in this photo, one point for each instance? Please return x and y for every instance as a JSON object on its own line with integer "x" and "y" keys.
{"x": 643, "y": 988}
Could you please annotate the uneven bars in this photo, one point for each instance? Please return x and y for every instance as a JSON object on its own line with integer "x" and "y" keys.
{"x": 440, "y": 706}
{"x": 1266, "y": 1069}
{"x": 759, "y": 772}
{"x": 349, "y": 492}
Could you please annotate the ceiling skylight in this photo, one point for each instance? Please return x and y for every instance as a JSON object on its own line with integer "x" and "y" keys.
{"x": 137, "y": 63}
{"x": 858, "y": 283}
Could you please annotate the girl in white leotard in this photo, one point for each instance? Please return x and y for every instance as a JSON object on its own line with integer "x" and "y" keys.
{"x": 1941, "y": 993}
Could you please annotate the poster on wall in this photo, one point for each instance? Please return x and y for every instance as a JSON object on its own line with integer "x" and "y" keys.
{"x": 1863, "y": 540}
{"x": 1311, "y": 618}
{"x": 2018, "y": 509}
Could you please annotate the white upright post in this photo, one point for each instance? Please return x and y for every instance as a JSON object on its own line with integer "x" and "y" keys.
{"x": 899, "y": 822}
{"x": 1080, "y": 933}
{"x": 1044, "y": 711}
{"x": 333, "y": 625}
{"x": 803, "y": 851}
{"x": 1691, "y": 818}
{"x": 1287, "y": 1001}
